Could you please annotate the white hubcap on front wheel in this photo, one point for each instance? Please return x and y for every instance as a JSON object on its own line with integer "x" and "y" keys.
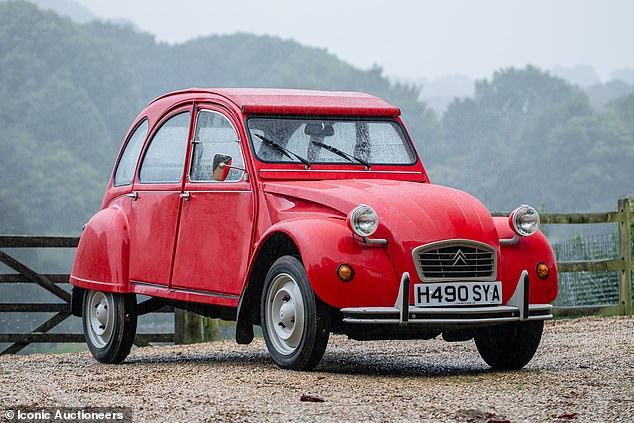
{"x": 100, "y": 315}
{"x": 284, "y": 314}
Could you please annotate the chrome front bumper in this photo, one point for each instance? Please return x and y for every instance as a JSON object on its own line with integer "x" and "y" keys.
{"x": 516, "y": 309}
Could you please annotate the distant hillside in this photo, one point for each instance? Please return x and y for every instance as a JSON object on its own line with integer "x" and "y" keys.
{"x": 581, "y": 75}
{"x": 527, "y": 136}
{"x": 67, "y": 8}
{"x": 601, "y": 95}
{"x": 625, "y": 75}
{"x": 69, "y": 92}
{"x": 66, "y": 103}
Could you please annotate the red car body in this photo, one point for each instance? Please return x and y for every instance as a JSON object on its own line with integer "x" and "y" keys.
{"x": 211, "y": 243}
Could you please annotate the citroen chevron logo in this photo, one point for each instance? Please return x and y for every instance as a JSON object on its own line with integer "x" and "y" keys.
{"x": 459, "y": 257}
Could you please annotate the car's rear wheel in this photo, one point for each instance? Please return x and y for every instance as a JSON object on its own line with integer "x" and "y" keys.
{"x": 509, "y": 346}
{"x": 294, "y": 321}
{"x": 109, "y": 324}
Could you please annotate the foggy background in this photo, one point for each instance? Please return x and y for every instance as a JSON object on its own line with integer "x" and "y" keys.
{"x": 443, "y": 46}
{"x": 514, "y": 102}
{"x": 411, "y": 39}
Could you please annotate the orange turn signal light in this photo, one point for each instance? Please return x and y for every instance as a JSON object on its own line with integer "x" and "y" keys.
{"x": 542, "y": 270}
{"x": 345, "y": 272}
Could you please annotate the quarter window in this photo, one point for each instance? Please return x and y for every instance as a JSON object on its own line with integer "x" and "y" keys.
{"x": 165, "y": 156}
{"x": 124, "y": 174}
{"x": 214, "y": 134}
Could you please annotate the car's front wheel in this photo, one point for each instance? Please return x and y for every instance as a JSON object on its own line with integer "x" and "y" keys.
{"x": 109, "y": 324}
{"x": 509, "y": 346}
{"x": 294, "y": 321}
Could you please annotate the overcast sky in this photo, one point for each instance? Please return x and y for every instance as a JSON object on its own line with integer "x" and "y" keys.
{"x": 411, "y": 39}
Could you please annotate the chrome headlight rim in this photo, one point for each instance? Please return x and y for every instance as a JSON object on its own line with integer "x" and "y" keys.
{"x": 519, "y": 223}
{"x": 362, "y": 210}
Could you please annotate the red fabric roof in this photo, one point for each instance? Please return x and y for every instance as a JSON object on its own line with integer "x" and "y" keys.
{"x": 301, "y": 102}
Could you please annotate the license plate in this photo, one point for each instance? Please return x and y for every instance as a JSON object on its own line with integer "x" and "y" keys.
{"x": 457, "y": 293}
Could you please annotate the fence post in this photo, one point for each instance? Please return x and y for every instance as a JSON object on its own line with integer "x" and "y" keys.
{"x": 210, "y": 329}
{"x": 625, "y": 252}
{"x": 187, "y": 327}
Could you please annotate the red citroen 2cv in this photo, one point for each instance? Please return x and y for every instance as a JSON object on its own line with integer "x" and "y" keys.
{"x": 307, "y": 213}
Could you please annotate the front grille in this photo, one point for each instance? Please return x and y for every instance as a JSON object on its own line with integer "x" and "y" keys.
{"x": 455, "y": 260}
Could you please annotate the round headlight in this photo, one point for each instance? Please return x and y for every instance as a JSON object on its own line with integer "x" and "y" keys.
{"x": 363, "y": 220}
{"x": 524, "y": 220}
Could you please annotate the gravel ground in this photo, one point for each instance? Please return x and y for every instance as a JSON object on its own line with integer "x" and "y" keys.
{"x": 583, "y": 371}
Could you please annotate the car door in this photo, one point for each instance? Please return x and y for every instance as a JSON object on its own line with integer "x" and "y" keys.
{"x": 156, "y": 195}
{"x": 217, "y": 219}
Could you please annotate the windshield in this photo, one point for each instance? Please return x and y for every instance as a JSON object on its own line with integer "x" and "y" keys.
{"x": 359, "y": 142}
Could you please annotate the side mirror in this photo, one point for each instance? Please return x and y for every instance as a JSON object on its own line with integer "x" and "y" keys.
{"x": 221, "y": 166}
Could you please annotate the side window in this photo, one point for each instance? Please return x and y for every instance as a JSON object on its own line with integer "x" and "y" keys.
{"x": 124, "y": 174}
{"x": 214, "y": 134}
{"x": 165, "y": 156}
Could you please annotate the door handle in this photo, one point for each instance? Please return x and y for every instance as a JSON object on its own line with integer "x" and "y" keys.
{"x": 133, "y": 195}
{"x": 184, "y": 195}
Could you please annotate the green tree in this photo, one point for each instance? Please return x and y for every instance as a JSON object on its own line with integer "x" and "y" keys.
{"x": 527, "y": 136}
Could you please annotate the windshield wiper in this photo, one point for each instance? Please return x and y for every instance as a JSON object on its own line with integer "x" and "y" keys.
{"x": 284, "y": 150}
{"x": 343, "y": 154}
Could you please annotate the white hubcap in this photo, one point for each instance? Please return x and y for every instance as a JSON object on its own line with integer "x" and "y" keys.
{"x": 284, "y": 314}
{"x": 100, "y": 316}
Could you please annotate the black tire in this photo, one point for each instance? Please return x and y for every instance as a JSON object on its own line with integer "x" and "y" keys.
{"x": 109, "y": 339}
{"x": 509, "y": 346}
{"x": 280, "y": 311}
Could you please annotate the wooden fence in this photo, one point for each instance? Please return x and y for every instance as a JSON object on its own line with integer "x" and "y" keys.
{"x": 51, "y": 283}
{"x": 622, "y": 264}
{"x": 190, "y": 327}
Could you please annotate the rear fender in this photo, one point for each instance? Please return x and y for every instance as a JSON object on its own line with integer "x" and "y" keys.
{"x": 526, "y": 254}
{"x": 101, "y": 260}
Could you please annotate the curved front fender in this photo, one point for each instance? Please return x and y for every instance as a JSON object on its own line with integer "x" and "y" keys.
{"x": 525, "y": 255}
{"x": 325, "y": 244}
{"x": 101, "y": 260}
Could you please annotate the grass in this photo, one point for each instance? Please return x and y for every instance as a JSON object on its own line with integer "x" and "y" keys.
{"x": 58, "y": 348}
{"x": 69, "y": 348}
